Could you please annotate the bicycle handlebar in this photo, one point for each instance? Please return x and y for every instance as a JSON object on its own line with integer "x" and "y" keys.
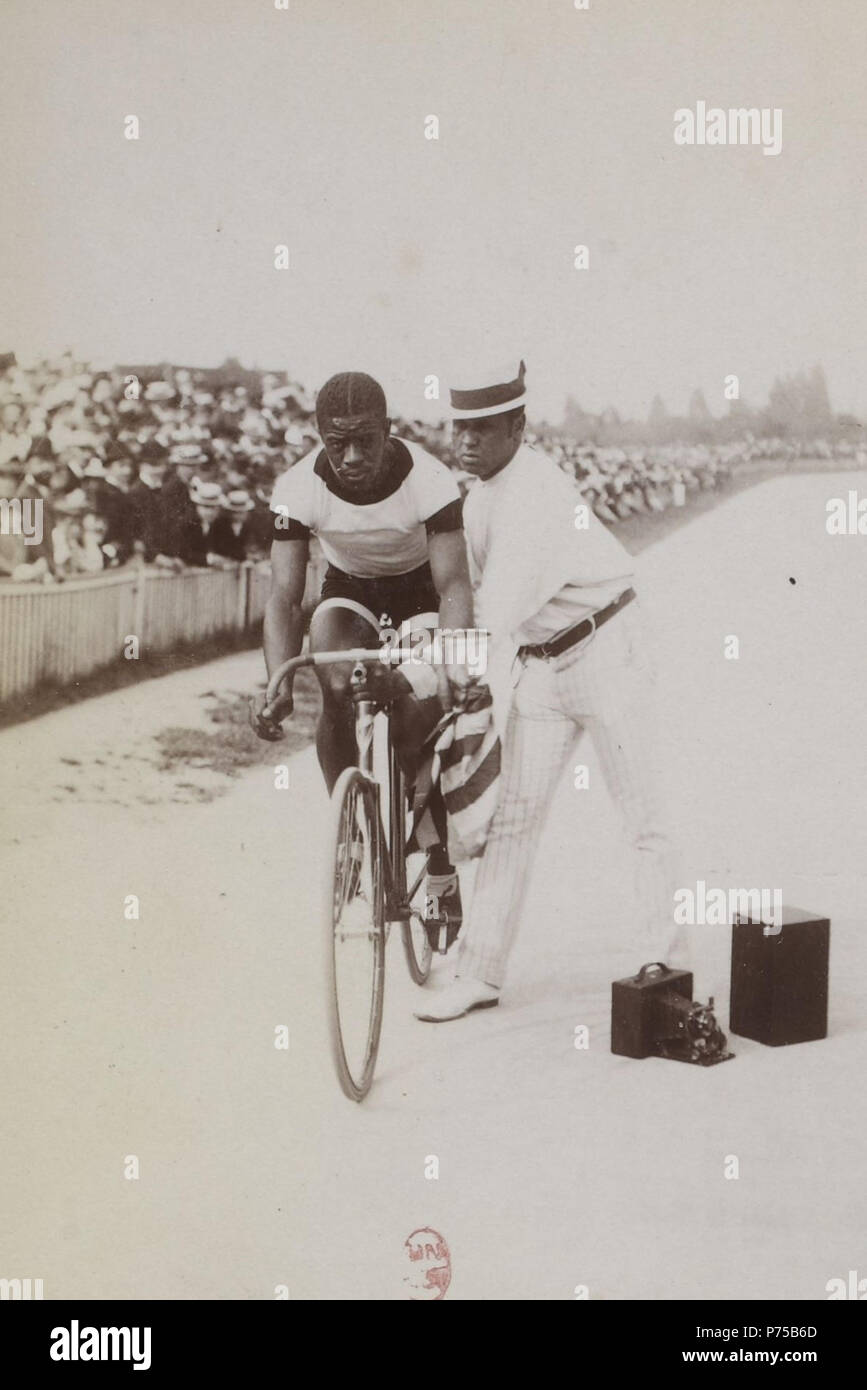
{"x": 322, "y": 659}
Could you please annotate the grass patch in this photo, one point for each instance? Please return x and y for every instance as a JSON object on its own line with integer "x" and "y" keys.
{"x": 231, "y": 745}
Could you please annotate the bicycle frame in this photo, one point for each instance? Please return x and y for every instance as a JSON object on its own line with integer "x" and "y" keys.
{"x": 398, "y": 894}
{"x": 366, "y": 710}
{"x": 365, "y": 714}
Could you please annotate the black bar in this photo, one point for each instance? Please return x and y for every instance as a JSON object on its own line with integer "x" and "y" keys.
{"x": 222, "y": 1337}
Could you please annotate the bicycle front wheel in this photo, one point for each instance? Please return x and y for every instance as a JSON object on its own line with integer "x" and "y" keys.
{"x": 354, "y": 894}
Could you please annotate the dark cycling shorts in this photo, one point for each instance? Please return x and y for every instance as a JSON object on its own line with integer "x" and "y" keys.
{"x": 400, "y": 596}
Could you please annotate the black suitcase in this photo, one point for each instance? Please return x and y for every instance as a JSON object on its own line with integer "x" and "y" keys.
{"x": 779, "y": 984}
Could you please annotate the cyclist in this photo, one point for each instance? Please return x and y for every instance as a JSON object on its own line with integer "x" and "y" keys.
{"x": 387, "y": 516}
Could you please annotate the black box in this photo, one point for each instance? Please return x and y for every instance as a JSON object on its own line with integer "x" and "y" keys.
{"x": 634, "y": 1031}
{"x": 780, "y": 979}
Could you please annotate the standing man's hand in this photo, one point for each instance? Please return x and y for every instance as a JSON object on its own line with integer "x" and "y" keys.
{"x": 454, "y": 682}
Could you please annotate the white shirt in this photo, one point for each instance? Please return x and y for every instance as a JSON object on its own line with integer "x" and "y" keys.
{"x": 534, "y": 571}
{"x": 385, "y": 536}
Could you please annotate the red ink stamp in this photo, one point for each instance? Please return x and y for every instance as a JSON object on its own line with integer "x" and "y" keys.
{"x": 430, "y": 1265}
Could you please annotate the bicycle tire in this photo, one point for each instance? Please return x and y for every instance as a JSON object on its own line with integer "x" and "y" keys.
{"x": 347, "y": 907}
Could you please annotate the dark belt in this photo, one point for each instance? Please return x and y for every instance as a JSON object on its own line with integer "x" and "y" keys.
{"x": 562, "y": 641}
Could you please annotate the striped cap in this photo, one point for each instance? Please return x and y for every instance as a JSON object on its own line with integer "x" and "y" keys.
{"x": 489, "y": 392}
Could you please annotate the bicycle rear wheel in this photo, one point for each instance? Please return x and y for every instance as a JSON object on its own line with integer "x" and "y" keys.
{"x": 354, "y": 894}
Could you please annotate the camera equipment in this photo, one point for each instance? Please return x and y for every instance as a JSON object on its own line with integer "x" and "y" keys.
{"x": 653, "y": 1014}
{"x": 780, "y": 978}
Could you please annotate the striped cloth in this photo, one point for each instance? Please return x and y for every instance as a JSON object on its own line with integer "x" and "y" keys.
{"x": 460, "y": 769}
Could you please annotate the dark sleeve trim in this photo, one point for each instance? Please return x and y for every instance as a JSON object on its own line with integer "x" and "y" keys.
{"x": 286, "y": 528}
{"x": 448, "y": 518}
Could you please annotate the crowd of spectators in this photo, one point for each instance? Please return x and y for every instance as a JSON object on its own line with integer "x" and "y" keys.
{"x": 176, "y": 470}
{"x": 164, "y": 472}
{"x": 619, "y": 482}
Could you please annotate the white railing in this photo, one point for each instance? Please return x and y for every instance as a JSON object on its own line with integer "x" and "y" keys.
{"x": 54, "y": 634}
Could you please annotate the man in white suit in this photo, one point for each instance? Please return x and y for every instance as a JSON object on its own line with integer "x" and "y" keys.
{"x": 554, "y": 584}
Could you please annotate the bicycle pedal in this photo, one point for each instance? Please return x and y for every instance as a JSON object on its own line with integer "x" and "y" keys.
{"x": 442, "y": 933}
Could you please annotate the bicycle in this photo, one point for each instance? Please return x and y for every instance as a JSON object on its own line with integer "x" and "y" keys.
{"x": 365, "y": 887}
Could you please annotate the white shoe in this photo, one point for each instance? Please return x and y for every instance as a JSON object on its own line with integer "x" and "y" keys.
{"x": 458, "y": 999}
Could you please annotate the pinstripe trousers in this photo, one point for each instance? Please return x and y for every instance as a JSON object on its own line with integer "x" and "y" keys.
{"x": 603, "y": 688}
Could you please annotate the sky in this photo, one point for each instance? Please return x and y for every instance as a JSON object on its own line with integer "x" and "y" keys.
{"x": 411, "y": 257}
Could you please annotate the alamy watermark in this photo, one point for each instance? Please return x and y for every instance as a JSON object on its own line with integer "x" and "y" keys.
{"x": 721, "y": 907}
{"x": 846, "y": 517}
{"x": 76, "y": 1343}
{"x": 854, "y": 1287}
{"x": 22, "y": 516}
{"x": 21, "y": 1290}
{"x": 739, "y": 125}
{"x": 440, "y": 646}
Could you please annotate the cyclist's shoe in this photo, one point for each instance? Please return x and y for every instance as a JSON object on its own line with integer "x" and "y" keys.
{"x": 350, "y": 875}
{"x": 443, "y": 910}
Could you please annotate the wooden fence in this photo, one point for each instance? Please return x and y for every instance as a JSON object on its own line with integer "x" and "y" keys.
{"x": 55, "y": 634}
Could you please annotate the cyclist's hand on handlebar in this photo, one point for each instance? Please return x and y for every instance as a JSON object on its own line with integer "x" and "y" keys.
{"x": 266, "y": 719}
